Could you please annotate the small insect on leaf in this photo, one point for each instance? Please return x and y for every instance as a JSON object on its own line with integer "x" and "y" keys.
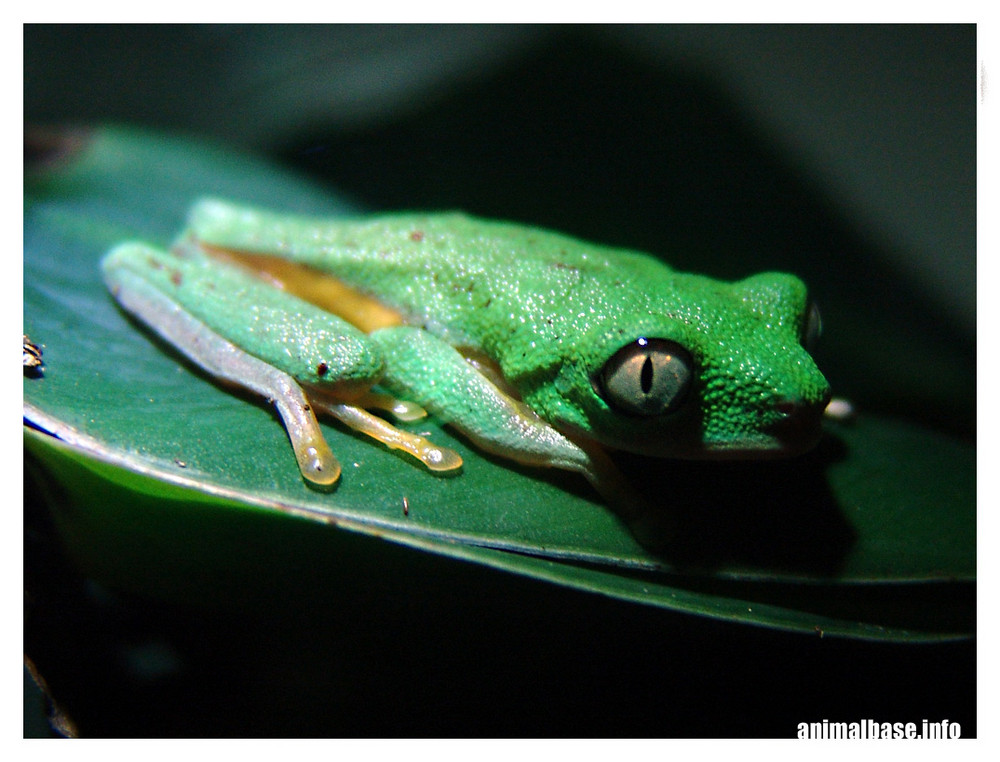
{"x": 33, "y": 365}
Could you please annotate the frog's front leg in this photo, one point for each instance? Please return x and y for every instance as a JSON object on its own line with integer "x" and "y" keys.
{"x": 242, "y": 331}
{"x": 422, "y": 367}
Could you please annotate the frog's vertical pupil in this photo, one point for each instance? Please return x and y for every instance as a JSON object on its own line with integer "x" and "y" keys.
{"x": 646, "y": 376}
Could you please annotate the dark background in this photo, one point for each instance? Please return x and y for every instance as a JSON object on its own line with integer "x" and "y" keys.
{"x": 845, "y": 154}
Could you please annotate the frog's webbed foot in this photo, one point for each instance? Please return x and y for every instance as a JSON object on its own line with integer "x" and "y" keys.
{"x": 357, "y": 418}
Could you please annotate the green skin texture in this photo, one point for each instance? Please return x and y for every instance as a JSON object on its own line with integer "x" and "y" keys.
{"x": 549, "y": 310}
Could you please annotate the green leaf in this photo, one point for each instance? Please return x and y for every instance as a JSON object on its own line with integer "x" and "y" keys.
{"x": 871, "y": 535}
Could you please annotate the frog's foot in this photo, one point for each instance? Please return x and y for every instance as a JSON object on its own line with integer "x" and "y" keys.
{"x": 358, "y": 419}
{"x": 316, "y": 461}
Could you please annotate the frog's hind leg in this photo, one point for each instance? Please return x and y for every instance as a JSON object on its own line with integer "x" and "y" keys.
{"x": 127, "y": 274}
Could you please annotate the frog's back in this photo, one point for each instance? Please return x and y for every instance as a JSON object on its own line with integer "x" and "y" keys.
{"x": 461, "y": 277}
{"x": 410, "y": 242}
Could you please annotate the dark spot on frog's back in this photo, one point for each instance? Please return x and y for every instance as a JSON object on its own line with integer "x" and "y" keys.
{"x": 565, "y": 266}
{"x": 417, "y": 236}
{"x": 322, "y": 369}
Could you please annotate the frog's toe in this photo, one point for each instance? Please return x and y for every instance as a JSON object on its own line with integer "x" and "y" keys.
{"x": 435, "y": 458}
{"x": 399, "y": 409}
{"x": 317, "y": 463}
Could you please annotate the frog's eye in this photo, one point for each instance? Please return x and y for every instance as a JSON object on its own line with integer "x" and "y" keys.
{"x": 647, "y": 377}
{"x": 813, "y": 327}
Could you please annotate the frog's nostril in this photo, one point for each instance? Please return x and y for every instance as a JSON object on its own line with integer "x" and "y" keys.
{"x": 787, "y": 407}
{"x": 798, "y": 426}
{"x": 797, "y": 409}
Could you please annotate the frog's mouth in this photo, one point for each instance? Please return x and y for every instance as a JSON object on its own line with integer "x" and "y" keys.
{"x": 795, "y": 428}
{"x": 797, "y": 431}
{"x": 763, "y": 447}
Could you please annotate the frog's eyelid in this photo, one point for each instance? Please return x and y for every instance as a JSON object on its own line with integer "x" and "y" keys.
{"x": 224, "y": 360}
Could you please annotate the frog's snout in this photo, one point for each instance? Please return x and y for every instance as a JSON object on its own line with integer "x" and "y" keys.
{"x": 798, "y": 427}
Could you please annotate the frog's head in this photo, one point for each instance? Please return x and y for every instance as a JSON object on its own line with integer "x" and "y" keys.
{"x": 718, "y": 371}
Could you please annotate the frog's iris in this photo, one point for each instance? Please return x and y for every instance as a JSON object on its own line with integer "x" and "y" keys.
{"x": 647, "y": 377}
